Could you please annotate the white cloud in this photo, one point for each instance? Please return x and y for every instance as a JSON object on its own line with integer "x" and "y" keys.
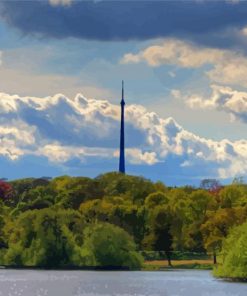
{"x": 137, "y": 156}
{"x": 58, "y": 153}
{"x": 1, "y": 55}
{"x": 228, "y": 66}
{"x": 174, "y": 51}
{"x": 62, "y": 129}
{"x": 176, "y": 93}
{"x": 223, "y": 98}
{"x": 244, "y": 31}
{"x": 61, "y": 2}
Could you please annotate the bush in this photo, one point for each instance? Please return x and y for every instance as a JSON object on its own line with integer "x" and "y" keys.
{"x": 111, "y": 246}
{"x": 234, "y": 254}
{"x": 46, "y": 238}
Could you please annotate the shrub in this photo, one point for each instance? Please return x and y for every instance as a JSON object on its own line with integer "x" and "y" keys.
{"x": 46, "y": 238}
{"x": 111, "y": 246}
{"x": 234, "y": 254}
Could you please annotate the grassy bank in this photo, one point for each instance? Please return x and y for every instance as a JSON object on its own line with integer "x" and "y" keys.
{"x": 153, "y": 265}
{"x": 149, "y": 265}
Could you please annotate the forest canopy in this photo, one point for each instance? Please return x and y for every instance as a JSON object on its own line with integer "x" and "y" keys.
{"x": 112, "y": 219}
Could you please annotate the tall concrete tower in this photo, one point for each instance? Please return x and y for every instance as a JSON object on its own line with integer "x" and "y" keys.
{"x": 121, "y": 155}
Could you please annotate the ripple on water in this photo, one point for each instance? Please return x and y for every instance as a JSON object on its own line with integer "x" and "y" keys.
{"x": 92, "y": 283}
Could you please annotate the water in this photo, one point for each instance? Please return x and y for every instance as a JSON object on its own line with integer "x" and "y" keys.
{"x": 93, "y": 283}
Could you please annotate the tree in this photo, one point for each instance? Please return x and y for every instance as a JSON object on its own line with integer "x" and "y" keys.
{"x": 198, "y": 203}
{"x": 72, "y": 191}
{"x": 39, "y": 197}
{"x": 231, "y": 195}
{"x": 132, "y": 219}
{"x": 46, "y": 238}
{"x": 96, "y": 210}
{"x": 111, "y": 246}
{"x": 6, "y": 190}
{"x": 160, "y": 238}
{"x": 3, "y": 243}
{"x": 239, "y": 180}
{"x": 156, "y": 199}
{"x": 217, "y": 226}
{"x": 178, "y": 209}
{"x": 130, "y": 187}
{"x": 211, "y": 185}
{"x": 160, "y": 186}
{"x": 234, "y": 254}
{"x": 127, "y": 216}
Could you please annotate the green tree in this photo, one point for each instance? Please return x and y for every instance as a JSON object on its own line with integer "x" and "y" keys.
{"x": 130, "y": 187}
{"x": 199, "y": 203}
{"x": 156, "y": 199}
{"x": 179, "y": 210}
{"x": 111, "y": 246}
{"x": 159, "y": 237}
{"x": 72, "y": 191}
{"x": 39, "y": 197}
{"x": 217, "y": 226}
{"x": 232, "y": 195}
{"x": 234, "y": 254}
{"x": 47, "y": 238}
{"x": 127, "y": 216}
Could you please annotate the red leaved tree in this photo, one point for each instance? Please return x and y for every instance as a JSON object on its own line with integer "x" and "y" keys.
{"x": 6, "y": 190}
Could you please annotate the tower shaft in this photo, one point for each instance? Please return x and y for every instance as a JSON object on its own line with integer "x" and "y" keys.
{"x": 122, "y": 144}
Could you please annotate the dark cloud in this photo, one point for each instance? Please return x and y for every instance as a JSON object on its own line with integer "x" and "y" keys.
{"x": 125, "y": 20}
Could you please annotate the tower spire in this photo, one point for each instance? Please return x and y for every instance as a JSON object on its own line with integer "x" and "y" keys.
{"x": 122, "y": 147}
{"x": 122, "y": 90}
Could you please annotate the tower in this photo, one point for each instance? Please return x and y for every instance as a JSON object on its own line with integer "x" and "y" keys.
{"x": 121, "y": 154}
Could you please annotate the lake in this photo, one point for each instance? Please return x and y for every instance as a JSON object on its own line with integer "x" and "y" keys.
{"x": 117, "y": 283}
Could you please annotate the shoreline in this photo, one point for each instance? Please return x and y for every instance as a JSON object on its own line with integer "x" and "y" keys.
{"x": 197, "y": 267}
{"x": 148, "y": 265}
{"x": 152, "y": 265}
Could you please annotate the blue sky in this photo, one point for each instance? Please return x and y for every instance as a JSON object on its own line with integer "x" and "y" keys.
{"x": 180, "y": 59}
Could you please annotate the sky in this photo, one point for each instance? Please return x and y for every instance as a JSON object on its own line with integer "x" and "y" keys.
{"x": 184, "y": 64}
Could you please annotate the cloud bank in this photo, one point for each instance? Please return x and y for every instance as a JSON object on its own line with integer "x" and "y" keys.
{"x": 227, "y": 66}
{"x": 125, "y": 20}
{"x": 224, "y": 99}
{"x": 81, "y": 132}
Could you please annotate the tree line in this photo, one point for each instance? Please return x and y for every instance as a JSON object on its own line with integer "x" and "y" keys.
{"x": 108, "y": 220}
